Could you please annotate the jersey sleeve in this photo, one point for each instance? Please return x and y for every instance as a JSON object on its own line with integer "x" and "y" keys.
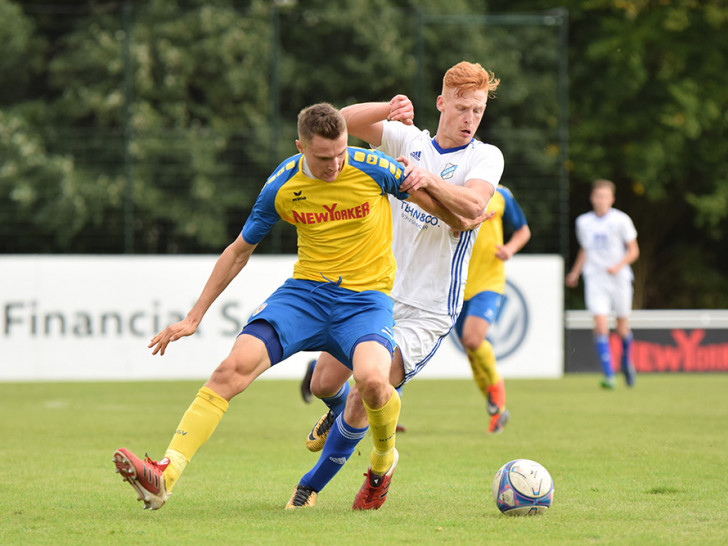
{"x": 264, "y": 214}
{"x": 383, "y": 169}
{"x": 395, "y": 136}
{"x": 579, "y": 227}
{"x": 489, "y": 165}
{"x": 629, "y": 231}
{"x": 513, "y": 217}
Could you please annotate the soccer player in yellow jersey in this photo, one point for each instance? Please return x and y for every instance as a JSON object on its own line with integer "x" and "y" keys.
{"x": 336, "y": 301}
{"x": 484, "y": 297}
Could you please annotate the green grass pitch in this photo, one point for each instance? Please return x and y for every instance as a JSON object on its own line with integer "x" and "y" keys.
{"x": 641, "y": 466}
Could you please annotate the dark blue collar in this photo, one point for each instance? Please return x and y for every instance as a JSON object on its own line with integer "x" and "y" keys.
{"x": 450, "y": 150}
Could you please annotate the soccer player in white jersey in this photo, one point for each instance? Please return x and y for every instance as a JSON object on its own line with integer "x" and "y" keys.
{"x": 461, "y": 173}
{"x": 608, "y": 246}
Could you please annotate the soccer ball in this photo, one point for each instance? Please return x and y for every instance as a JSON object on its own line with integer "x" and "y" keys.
{"x": 523, "y": 488}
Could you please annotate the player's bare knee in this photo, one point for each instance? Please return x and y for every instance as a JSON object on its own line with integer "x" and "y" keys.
{"x": 328, "y": 377}
{"x": 375, "y": 391}
{"x": 623, "y": 327}
{"x": 323, "y": 387}
{"x": 471, "y": 342}
{"x": 317, "y": 389}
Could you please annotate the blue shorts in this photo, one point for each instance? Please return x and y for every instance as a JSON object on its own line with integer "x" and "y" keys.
{"x": 485, "y": 305}
{"x": 322, "y": 316}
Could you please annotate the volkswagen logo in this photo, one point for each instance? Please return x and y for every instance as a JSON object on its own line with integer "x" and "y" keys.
{"x": 511, "y": 324}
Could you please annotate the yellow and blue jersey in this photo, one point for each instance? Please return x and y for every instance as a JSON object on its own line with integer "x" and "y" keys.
{"x": 344, "y": 227}
{"x": 486, "y": 271}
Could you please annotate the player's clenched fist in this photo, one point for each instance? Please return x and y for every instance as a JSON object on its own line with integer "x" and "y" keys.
{"x": 401, "y": 109}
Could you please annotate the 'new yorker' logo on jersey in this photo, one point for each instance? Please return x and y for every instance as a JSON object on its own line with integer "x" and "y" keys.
{"x": 330, "y": 214}
{"x": 448, "y": 171}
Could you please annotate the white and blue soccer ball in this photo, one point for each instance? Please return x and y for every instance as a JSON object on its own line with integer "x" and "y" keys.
{"x": 523, "y": 488}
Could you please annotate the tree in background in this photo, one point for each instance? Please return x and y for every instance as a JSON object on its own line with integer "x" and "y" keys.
{"x": 195, "y": 98}
{"x": 649, "y": 96}
{"x": 368, "y": 51}
{"x": 185, "y": 96}
{"x": 648, "y": 103}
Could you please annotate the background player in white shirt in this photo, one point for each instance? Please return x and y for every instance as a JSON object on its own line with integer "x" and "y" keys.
{"x": 461, "y": 173}
{"x": 608, "y": 246}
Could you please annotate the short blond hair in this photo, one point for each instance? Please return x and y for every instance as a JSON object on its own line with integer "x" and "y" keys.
{"x": 604, "y": 183}
{"x": 466, "y": 76}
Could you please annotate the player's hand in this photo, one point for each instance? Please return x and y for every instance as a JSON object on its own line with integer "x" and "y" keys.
{"x": 486, "y": 216}
{"x": 466, "y": 224}
{"x": 502, "y": 252}
{"x": 614, "y": 269}
{"x": 171, "y": 333}
{"x": 401, "y": 109}
{"x": 459, "y": 223}
{"x": 415, "y": 177}
{"x": 572, "y": 279}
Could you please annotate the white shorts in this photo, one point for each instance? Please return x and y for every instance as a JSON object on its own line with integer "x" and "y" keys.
{"x": 607, "y": 294}
{"x": 418, "y": 334}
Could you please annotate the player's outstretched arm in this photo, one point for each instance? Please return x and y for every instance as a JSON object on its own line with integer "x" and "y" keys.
{"x": 228, "y": 265}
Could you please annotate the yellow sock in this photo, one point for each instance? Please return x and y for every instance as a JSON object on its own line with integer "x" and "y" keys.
{"x": 479, "y": 376}
{"x": 482, "y": 361}
{"x": 383, "y": 424}
{"x": 197, "y": 425}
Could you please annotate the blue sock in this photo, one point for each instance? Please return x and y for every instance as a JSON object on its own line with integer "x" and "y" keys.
{"x": 337, "y": 402}
{"x": 339, "y": 446}
{"x": 601, "y": 342}
{"x": 627, "y": 350}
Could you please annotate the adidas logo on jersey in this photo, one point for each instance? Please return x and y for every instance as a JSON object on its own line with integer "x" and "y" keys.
{"x": 417, "y": 155}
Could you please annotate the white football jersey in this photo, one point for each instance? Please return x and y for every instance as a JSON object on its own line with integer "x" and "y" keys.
{"x": 432, "y": 264}
{"x": 605, "y": 238}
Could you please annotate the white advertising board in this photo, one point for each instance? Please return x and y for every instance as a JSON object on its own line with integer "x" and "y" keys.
{"x": 528, "y": 337}
{"x": 92, "y": 317}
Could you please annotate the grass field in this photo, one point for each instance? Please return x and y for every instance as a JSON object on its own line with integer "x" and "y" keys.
{"x": 642, "y": 466}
